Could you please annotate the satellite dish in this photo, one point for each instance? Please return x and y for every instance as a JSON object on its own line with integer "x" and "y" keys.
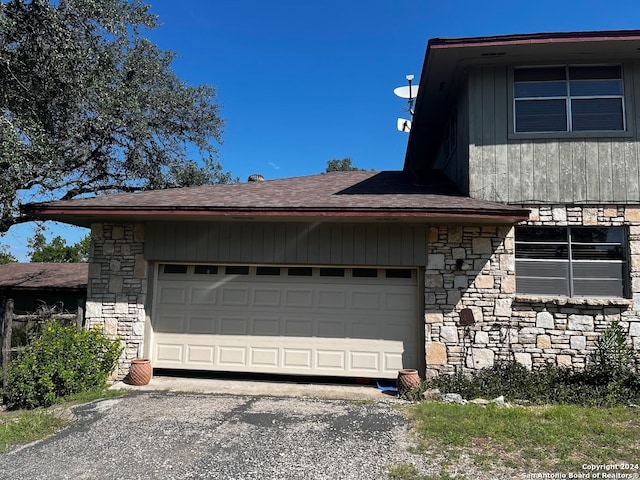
{"x": 404, "y": 125}
{"x": 408, "y": 91}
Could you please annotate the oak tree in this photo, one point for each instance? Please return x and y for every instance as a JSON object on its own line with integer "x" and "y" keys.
{"x": 91, "y": 106}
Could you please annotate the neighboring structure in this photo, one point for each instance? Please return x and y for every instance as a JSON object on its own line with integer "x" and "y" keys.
{"x": 362, "y": 273}
{"x": 31, "y": 285}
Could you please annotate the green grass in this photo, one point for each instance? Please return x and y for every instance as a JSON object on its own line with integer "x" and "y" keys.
{"x": 25, "y": 426}
{"x": 18, "y": 428}
{"x": 557, "y": 438}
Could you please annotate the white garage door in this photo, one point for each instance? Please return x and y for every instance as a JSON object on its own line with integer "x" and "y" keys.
{"x": 293, "y": 320}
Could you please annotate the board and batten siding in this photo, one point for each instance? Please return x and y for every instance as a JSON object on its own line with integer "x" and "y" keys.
{"x": 524, "y": 170}
{"x": 287, "y": 243}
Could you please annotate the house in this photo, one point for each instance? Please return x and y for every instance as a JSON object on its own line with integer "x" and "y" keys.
{"x": 33, "y": 284}
{"x": 513, "y": 232}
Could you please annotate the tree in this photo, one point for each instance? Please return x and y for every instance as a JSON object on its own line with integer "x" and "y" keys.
{"x": 343, "y": 165}
{"x": 6, "y": 256}
{"x": 57, "y": 250}
{"x": 90, "y": 106}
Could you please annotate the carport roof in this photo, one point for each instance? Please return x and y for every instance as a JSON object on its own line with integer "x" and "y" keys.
{"x": 44, "y": 276}
{"x": 353, "y": 195}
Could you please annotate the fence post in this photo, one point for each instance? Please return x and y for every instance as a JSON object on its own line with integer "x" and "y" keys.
{"x": 7, "y": 321}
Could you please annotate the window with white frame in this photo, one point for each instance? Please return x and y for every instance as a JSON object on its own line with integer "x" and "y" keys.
{"x": 568, "y": 98}
{"x": 571, "y": 261}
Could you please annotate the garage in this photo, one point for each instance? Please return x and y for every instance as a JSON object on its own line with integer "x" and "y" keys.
{"x": 309, "y": 320}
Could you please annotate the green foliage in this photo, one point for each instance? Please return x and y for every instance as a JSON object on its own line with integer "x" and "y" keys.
{"x": 609, "y": 379}
{"x": 343, "y": 165}
{"x": 89, "y": 105}
{"x": 6, "y": 256}
{"x": 64, "y": 361}
{"x": 57, "y": 250}
{"x": 28, "y": 427}
{"x": 613, "y": 355}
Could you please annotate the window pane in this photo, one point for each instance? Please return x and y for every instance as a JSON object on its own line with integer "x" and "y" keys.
{"x": 332, "y": 272}
{"x": 552, "y": 251}
{"x": 398, "y": 273}
{"x": 267, "y": 270}
{"x": 542, "y": 74}
{"x": 541, "y": 234}
{"x": 595, "y": 72}
{"x": 595, "y": 88}
{"x": 597, "y": 114}
{"x": 205, "y": 269}
{"x": 598, "y": 288}
{"x": 596, "y": 252}
{"x": 542, "y": 278}
{"x": 541, "y": 116}
{"x": 169, "y": 268}
{"x": 540, "y": 89}
{"x": 300, "y": 271}
{"x": 597, "y": 235}
{"x": 365, "y": 272}
{"x": 236, "y": 270}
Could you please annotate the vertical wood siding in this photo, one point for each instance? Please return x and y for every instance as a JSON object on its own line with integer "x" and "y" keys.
{"x": 546, "y": 170}
{"x": 287, "y": 243}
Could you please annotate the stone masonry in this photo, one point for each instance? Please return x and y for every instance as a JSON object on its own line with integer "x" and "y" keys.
{"x": 117, "y": 288}
{"x": 474, "y": 267}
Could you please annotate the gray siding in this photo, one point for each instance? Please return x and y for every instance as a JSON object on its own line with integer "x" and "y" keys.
{"x": 570, "y": 169}
{"x": 287, "y": 243}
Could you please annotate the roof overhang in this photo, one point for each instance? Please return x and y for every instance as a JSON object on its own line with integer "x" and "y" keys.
{"x": 87, "y": 217}
{"x": 447, "y": 59}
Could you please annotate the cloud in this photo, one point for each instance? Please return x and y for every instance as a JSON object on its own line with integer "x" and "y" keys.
{"x": 274, "y": 165}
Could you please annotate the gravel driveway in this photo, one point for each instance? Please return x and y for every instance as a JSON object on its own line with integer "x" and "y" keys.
{"x": 159, "y": 435}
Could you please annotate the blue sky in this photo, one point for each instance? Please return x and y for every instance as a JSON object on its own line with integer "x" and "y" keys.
{"x": 304, "y": 82}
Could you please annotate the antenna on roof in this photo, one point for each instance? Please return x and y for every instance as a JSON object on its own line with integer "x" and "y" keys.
{"x": 410, "y": 92}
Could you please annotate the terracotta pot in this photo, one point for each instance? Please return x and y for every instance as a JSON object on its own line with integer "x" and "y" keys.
{"x": 140, "y": 371}
{"x": 408, "y": 378}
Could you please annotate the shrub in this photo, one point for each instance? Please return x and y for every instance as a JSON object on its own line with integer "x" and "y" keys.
{"x": 63, "y": 361}
{"x": 609, "y": 379}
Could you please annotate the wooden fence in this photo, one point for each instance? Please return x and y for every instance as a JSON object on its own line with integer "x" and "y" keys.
{"x": 28, "y": 321}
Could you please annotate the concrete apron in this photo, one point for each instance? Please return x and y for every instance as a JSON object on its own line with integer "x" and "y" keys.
{"x": 260, "y": 388}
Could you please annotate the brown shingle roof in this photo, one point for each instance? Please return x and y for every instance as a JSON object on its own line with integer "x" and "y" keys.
{"x": 343, "y": 194}
{"x": 40, "y": 276}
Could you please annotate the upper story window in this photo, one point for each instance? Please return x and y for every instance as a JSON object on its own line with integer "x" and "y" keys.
{"x": 571, "y": 261}
{"x": 568, "y": 99}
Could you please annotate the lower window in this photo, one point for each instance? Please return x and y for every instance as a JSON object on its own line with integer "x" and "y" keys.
{"x": 571, "y": 261}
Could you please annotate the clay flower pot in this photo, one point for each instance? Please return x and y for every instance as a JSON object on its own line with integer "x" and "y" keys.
{"x": 140, "y": 371}
{"x": 408, "y": 379}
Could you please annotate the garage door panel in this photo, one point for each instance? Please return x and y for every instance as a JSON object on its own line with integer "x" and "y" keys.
{"x": 298, "y": 298}
{"x": 235, "y": 297}
{"x": 170, "y": 324}
{"x": 200, "y": 354}
{"x": 267, "y": 297}
{"x": 331, "y": 328}
{"x": 283, "y": 323}
{"x": 234, "y": 325}
{"x": 332, "y": 299}
{"x": 169, "y": 353}
{"x": 365, "y": 301}
{"x": 232, "y": 356}
{"x": 297, "y": 358}
{"x": 171, "y": 295}
{"x": 364, "y": 361}
{"x": 331, "y": 360}
{"x": 203, "y": 296}
{"x": 201, "y": 325}
{"x": 265, "y": 326}
{"x": 300, "y": 327}
{"x": 265, "y": 357}
{"x": 400, "y": 302}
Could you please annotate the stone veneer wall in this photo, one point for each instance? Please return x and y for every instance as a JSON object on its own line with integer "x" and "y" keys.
{"x": 532, "y": 330}
{"x": 117, "y": 288}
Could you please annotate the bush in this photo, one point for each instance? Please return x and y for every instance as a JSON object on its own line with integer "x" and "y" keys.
{"x": 63, "y": 361}
{"x": 609, "y": 379}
